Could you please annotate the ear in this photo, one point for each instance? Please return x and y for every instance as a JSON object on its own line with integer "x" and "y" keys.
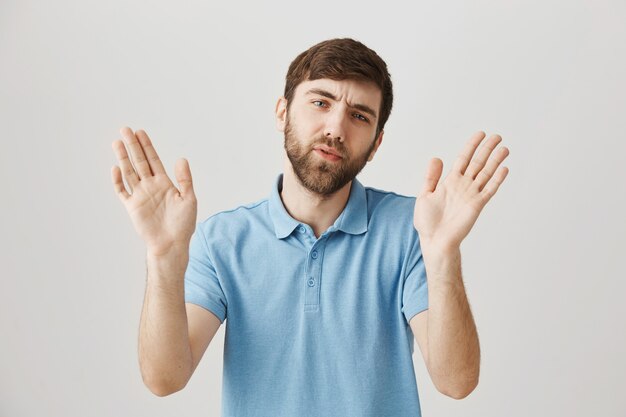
{"x": 281, "y": 113}
{"x": 378, "y": 142}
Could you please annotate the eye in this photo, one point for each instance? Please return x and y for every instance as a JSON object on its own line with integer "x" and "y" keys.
{"x": 361, "y": 117}
{"x": 318, "y": 101}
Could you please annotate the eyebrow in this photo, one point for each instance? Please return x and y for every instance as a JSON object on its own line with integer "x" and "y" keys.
{"x": 330, "y": 95}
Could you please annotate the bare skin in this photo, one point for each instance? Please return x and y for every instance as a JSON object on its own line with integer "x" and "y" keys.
{"x": 173, "y": 335}
{"x": 164, "y": 216}
{"x": 444, "y": 214}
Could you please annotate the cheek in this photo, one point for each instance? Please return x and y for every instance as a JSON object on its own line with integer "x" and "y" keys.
{"x": 312, "y": 118}
{"x": 308, "y": 133}
{"x": 311, "y": 125}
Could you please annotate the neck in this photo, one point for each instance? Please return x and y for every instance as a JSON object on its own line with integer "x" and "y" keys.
{"x": 318, "y": 211}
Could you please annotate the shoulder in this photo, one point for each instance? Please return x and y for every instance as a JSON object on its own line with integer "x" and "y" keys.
{"x": 242, "y": 217}
{"x": 391, "y": 205}
{"x": 391, "y": 217}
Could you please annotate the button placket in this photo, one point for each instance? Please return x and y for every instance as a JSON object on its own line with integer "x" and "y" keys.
{"x": 313, "y": 276}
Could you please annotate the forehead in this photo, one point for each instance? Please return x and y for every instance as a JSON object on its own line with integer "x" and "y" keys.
{"x": 352, "y": 91}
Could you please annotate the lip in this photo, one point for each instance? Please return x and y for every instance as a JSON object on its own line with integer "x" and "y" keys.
{"x": 327, "y": 156}
{"x": 329, "y": 150}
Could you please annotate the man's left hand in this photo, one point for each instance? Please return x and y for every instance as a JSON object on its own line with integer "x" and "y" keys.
{"x": 445, "y": 212}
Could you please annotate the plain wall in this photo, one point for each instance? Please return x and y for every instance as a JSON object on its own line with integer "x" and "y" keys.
{"x": 542, "y": 265}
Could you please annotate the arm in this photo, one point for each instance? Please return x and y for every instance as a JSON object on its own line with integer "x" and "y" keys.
{"x": 444, "y": 214}
{"x": 172, "y": 336}
{"x": 446, "y": 332}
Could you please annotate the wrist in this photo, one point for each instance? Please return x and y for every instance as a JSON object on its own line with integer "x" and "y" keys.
{"x": 167, "y": 251}
{"x": 442, "y": 262}
{"x": 434, "y": 248}
{"x": 167, "y": 263}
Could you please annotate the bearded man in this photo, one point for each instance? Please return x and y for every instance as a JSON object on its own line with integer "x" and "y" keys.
{"x": 325, "y": 284}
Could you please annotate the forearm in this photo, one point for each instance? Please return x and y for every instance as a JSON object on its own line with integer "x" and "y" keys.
{"x": 164, "y": 351}
{"x": 453, "y": 346}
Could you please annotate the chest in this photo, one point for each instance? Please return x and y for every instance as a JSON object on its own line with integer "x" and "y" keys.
{"x": 332, "y": 277}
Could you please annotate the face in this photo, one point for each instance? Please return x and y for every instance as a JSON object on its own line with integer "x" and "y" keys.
{"x": 338, "y": 116}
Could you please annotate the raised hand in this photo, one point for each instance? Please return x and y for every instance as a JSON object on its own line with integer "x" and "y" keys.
{"x": 446, "y": 211}
{"x": 164, "y": 216}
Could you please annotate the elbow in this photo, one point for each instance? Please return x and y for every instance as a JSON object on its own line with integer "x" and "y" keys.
{"x": 459, "y": 391}
{"x": 457, "y": 394}
{"x": 163, "y": 381}
{"x": 163, "y": 388}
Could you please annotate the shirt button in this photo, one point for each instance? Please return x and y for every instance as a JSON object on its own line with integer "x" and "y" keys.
{"x": 301, "y": 229}
{"x": 311, "y": 282}
{"x": 314, "y": 254}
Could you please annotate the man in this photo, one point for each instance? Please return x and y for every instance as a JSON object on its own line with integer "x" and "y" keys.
{"x": 326, "y": 283}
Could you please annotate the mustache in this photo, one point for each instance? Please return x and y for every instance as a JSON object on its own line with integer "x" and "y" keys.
{"x": 321, "y": 140}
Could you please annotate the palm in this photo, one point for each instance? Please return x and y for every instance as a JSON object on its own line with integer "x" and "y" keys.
{"x": 449, "y": 211}
{"x": 163, "y": 216}
{"x": 446, "y": 211}
{"x": 158, "y": 211}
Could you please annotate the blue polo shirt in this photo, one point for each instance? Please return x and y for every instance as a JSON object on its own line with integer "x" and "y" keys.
{"x": 316, "y": 326}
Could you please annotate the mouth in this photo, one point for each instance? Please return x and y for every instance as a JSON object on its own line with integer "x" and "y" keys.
{"x": 328, "y": 150}
{"x": 327, "y": 155}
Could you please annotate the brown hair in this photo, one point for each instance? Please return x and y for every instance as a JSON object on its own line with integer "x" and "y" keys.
{"x": 342, "y": 59}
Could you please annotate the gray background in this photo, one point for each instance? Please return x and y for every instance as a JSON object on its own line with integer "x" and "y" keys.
{"x": 542, "y": 266}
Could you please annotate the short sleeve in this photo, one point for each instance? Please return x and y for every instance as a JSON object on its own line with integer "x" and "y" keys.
{"x": 415, "y": 291}
{"x": 202, "y": 286}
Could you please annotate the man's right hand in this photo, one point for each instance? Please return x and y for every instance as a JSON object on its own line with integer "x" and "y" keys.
{"x": 164, "y": 216}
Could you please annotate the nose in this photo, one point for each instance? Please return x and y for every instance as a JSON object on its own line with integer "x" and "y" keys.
{"x": 334, "y": 128}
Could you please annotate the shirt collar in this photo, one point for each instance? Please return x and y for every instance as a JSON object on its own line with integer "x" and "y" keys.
{"x": 353, "y": 218}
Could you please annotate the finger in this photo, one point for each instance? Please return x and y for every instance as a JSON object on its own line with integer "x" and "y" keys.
{"x": 493, "y": 184}
{"x": 151, "y": 155}
{"x": 460, "y": 165}
{"x": 118, "y": 185}
{"x": 136, "y": 153}
{"x": 433, "y": 173}
{"x": 494, "y": 162}
{"x": 183, "y": 177}
{"x": 127, "y": 168}
{"x": 479, "y": 161}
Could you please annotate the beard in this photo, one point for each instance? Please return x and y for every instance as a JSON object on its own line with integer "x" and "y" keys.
{"x": 318, "y": 175}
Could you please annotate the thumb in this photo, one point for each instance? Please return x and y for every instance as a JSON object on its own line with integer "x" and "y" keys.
{"x": 183, "y": 177}
{"x": 433, "y": 173}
